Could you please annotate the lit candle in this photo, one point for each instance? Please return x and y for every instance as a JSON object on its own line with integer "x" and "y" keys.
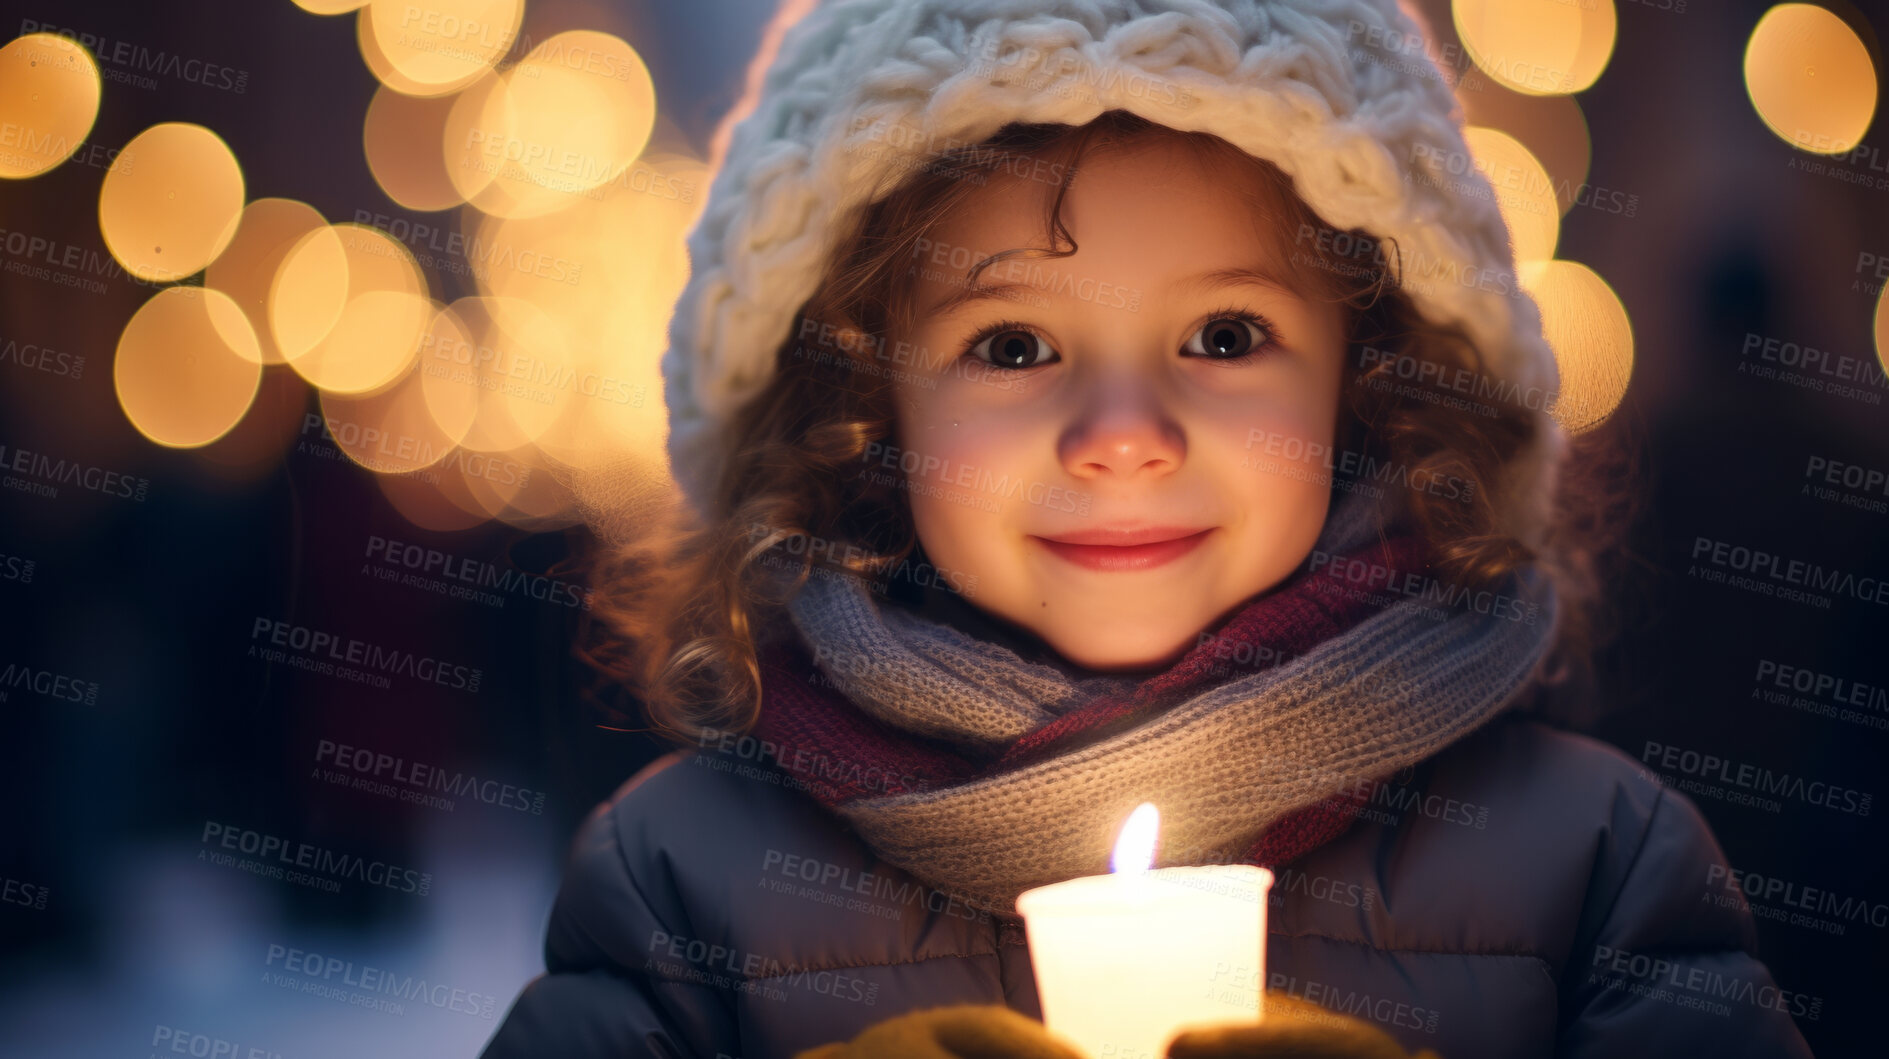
{"x": 1125, "y": 961}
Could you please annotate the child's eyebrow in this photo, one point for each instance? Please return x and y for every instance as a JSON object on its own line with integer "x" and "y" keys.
{"x": 983, "y": 292}
{"x": 1227, "y": 277}
{"x": 1220, "y": 277}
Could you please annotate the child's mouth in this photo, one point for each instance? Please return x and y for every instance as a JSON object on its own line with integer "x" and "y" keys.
{"x": 1155, "y": 546}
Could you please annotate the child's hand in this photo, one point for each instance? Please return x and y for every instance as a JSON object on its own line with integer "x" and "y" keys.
{"x": 1292, "y": 1029}
{"x": 962, "y": 1031}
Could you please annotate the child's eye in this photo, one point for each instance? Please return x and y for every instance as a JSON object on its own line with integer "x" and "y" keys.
{"x": 1011, "y": 345}
{"x": 1229, "y": 336}
{"x": 1232, "y": 335}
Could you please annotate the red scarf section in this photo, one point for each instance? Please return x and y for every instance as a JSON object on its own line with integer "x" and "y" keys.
{"x": 842, "y": 753}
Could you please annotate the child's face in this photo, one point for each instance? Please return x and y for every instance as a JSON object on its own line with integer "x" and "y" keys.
{"x": 1112, "y": 413}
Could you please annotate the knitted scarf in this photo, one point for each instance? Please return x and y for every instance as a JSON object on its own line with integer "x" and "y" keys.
{"x": 984, "y": 774}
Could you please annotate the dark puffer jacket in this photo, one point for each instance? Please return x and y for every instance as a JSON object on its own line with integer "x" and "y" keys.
{"x": 1527, "y": 892}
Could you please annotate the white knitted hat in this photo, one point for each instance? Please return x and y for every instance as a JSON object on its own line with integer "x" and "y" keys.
{"x": 1328, "y": 90}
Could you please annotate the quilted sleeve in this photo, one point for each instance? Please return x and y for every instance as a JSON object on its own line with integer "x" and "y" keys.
{"x": 1670, "y": 966}
{"x": 605, "y": 991}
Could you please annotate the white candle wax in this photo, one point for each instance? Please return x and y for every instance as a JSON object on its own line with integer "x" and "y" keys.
{"x": 1124, "y": 961}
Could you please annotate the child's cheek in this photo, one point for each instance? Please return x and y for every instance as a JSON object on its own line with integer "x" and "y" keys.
{"x": 1284, "y": 426}
{"x": 1277, "y": 458}
{"x": 959, "y": 426}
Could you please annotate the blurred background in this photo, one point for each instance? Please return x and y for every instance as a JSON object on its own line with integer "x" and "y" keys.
{"x": 324, "y": 325}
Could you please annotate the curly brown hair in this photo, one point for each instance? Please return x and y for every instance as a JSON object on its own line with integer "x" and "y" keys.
{"x": 685, "y": 609}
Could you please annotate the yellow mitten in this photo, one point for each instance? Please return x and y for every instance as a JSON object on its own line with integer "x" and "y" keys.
{"x": 1292, "y": 1029}
{"x": 961, "y": 1031}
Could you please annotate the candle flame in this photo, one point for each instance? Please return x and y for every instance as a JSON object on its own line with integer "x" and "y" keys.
{"x": 1134, "y": 847}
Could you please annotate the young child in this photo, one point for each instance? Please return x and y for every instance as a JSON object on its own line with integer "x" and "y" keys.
{"x": 1090, "y": 402}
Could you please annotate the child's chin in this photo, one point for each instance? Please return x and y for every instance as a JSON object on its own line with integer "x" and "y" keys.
{"x": 1103, "y": 648}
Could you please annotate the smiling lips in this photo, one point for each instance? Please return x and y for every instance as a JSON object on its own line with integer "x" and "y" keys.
{"x": 1125, "y": 549}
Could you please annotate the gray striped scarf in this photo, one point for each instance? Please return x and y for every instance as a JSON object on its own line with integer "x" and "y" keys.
{"x": 1220, "y": 766}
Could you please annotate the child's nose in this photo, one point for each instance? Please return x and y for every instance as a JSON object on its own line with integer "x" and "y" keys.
{"x": 1122, "y": 430}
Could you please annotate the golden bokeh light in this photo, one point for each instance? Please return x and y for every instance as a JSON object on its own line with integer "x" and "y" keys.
{"x": 383, "y": 68}
{"x": 390, "y": 432}
{"x": 401, "y": 136}
{"x": 1810, "y": 78}
{"x": 308, "y": 291}
{"x": 453, "y": 480}
{"x": 428, "y": 499}
{"x": 574, "y": 199}
{"x": 479, "y": 482}
{"x": 180, "y": 378}
{"x": 535, "y": 501}
{"x": 49, "y": 91}
{"x": 519, "y": 375}
{"x": 171, "y": 201}
{"x": 1554, "y": 129}
{"x": 1523, "y": 191}
{"x": 376, "y": 338}
{"x": 245, "y": 270}
{"x": 492, "y": 491}
{"x": 464, "y": 141}
{"x": 453, "y": 405}
{"x": 440, "y": 46}
{"x": 568, "y": 119}
{"x": 609, "y": 272}
{"x": 1600, "y": 30}
{"x": 544, "y": 506}
{"x": 1538, "y": 47}
{"x": 349, "y": 307}
{"x": 1587, "y": 327}
{"x": 572, "y": 225}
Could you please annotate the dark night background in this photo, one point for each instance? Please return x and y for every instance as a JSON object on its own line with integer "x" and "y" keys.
{"x": 153, "y": 601}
